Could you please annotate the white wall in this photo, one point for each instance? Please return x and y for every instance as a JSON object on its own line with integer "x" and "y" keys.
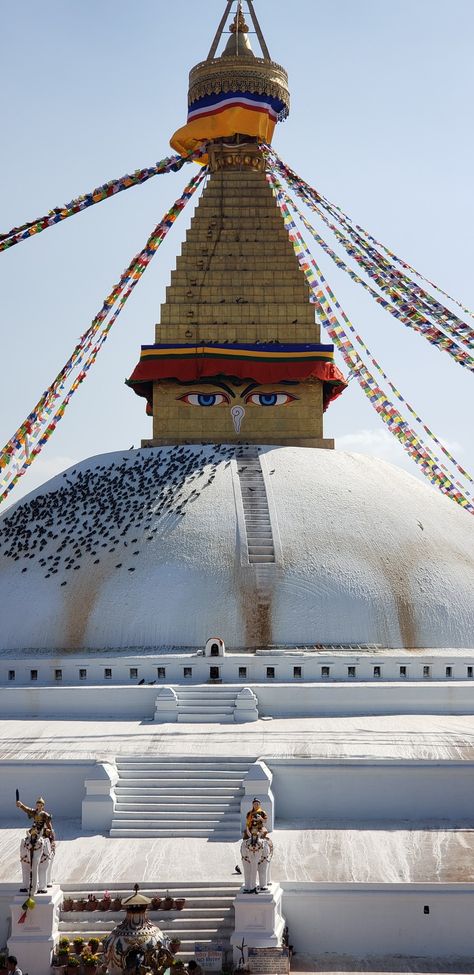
{"x": 380, "y": 919}
{"x": 274, "y": 699}
{"x": 7, "y": 893}
{"x": 423, "y": 697}
{"x": 368, "y": 790}
{"x": 60, "y": 782}
{"x": 283, "y": 662}
{"x": 77, "y": 702}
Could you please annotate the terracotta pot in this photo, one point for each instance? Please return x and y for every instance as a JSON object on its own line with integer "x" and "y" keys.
{"x": 167, "y": 904}
{"x": 117, "y": 904}
{"x": 156, "y": 903}
{"x": 179, "y": 903}
{"x": 68, "y": 905}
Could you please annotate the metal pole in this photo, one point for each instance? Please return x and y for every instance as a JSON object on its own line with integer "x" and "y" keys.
{"x": 258, "y": 31}
{"x": 220, "y": 28}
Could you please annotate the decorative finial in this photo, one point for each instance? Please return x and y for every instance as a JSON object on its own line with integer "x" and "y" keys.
{"x": 239, "y": 22}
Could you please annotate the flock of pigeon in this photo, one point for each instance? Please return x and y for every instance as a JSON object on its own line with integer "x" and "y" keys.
{"x": 108, "y": 508}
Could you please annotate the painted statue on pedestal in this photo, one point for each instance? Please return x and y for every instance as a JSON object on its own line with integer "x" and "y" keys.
{"x": 256, "y": 851}
{"x": 37, "y": 849}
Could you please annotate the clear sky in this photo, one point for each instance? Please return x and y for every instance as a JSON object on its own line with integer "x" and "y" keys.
{"x": 381, "y": 123}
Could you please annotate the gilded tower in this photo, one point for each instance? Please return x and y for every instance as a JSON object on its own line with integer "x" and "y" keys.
{"x": 237, "y": 353}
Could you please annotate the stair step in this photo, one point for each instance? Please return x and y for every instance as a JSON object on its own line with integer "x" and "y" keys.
{"x": 204, "y": 710}
{"x": 192, "y": 718}
{"x": 215, "y": 922}
{"x": 150, "y": 815}
{"x": 215, "y": 692}
{"x": 187, "y": 790}
{"x": 183, "y": 808}
{"x": 183, "y": 767}
{"x": 205, "y": 779}
{"x": 127, "y": 831}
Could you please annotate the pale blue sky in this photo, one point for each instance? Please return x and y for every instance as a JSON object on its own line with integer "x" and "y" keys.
{"x": 381, "y": 123}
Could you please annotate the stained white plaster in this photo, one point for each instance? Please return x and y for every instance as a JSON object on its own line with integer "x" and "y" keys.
{"x": 370, "y": 555}
{"x": 378, "y": 853}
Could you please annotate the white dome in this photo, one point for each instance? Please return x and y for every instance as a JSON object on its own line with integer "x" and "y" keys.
{"x": 367, "y": 554}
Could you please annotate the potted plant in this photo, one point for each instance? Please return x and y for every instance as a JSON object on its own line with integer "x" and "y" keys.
{"x": 73, "y": 965}
{"x": 80, "y": 904}
{"x": 68, "y": 904}
{"x": 116, "y": 903}
{"x": 63, "y": 957}
{"x": 106, "y": 901}
{"x": 175, "y": 945}
{"x": 179, "y": 903}
{"x": 78, "y": 945}
{"x": 94, "y": 945}
{"x": 156, "y": 903}
{"x": 92, "y": 902}
{"x": 167, "y": 902}
{"x": 91, "y": 963}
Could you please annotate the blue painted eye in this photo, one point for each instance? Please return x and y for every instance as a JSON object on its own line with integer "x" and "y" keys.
{"x": 270, "y": 399}
{"x": 204, "y": 399}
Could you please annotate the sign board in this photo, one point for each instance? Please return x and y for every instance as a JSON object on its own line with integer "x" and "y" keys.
{"x": 269, "y": 961}
{"x": 209, "y": 956}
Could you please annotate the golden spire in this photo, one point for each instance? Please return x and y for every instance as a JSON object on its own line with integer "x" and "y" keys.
{"x": 238, "y": 44}
{"x": 239, "y": 23}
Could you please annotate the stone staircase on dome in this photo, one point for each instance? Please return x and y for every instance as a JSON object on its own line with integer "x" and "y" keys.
{"x": 179, "y": 797}
{"x": 258, "y": 524}
{"x": 207, "y": 916}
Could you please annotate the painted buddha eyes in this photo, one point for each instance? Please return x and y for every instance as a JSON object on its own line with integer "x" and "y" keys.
{"x": 253, "y": 399}
{"x": 269, "y": 399}
{"x": 204, "y": 399}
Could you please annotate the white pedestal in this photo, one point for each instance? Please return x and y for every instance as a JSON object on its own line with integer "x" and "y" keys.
{"x": 259, "y": 921}
{"x": 33, "y": 942}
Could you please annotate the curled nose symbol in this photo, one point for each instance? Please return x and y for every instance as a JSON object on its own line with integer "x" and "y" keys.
{"x": 237, "y": 413}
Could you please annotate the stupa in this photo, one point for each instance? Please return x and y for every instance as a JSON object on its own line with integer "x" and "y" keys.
{"x": 238, "y": 566}
{"x": 237, "y": 506}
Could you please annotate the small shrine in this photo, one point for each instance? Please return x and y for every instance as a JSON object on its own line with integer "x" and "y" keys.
{"x": 136, "y": 944}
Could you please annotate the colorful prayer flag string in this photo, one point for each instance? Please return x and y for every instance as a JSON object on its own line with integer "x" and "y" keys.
{"x": 417, "y": 308}
{"x": 391, "y": 416}
{"x": 167, "y": 165}
{"x": 284, "y": 197}
{"x": 28, "y": 441}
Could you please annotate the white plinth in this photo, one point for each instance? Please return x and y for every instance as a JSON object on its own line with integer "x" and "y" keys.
{"x": 33, "y": 942}
{"x": 259, "y": 921}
